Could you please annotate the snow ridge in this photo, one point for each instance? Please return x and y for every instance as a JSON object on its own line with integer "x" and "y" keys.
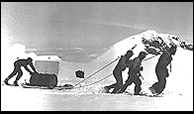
{"x": 146, "y": 42}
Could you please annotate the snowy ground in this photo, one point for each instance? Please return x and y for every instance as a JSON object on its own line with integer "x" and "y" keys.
{"x": 14, "y": 98}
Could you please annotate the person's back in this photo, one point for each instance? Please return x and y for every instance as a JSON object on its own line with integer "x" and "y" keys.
{"x": 136, "y": 65}
{"x": 164, "y": 59}
{"x": 119, "y": 66}
{"x": 21, "y": 62}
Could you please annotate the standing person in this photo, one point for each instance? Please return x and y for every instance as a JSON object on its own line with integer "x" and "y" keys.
{"x": 17, "y": 69}
{"x": 134, "y": 74}
{"x": 117, "y": 72}
{"x": 162, "y": 71}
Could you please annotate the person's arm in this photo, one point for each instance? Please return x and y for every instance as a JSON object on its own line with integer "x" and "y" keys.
{"x": 135, "y": 63}
{"x": 26, "y": 67}
{"x": 32, "y": 66}
{"x": 15, "y": 63}
{"x": 129, "y": 63}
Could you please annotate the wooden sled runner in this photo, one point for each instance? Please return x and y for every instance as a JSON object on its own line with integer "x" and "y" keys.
{"x": 62, "y": 87}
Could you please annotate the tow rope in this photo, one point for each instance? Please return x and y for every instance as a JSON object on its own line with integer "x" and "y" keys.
{"x": 105, "y": 76}
{"x": 98, "y": 70}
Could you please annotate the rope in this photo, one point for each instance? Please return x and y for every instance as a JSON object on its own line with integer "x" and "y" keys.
{"x": 102, "y": 68}
{"x": 105, "y": 67}
{"x": 149, "y": 58}
{"x": 94, "y": 82}
{"x": 112, "y": 74}
{"x": 73, "y": 87}
{"x": 97, "y": 71}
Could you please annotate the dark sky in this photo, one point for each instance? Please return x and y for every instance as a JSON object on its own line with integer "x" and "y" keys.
{"x": 91, "y": 25}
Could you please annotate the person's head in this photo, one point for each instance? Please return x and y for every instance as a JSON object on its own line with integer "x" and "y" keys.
{"x": 29, "y": 59}
{"x": 142, "y": 55}
{"x": 173, "y": 49}
{"x": 129, "y": 53}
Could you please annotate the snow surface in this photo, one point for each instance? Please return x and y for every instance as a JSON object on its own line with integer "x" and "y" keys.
{"x": 178, "y": 94}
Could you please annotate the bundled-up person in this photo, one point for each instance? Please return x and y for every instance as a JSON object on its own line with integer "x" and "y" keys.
{"x": 117, "y": 72}
{"x": 161, "y": 69}
{"x": 134, "y": 74}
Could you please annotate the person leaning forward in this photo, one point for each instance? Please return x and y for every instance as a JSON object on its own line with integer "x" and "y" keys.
{"x": 17, "y": 70}
{"x": 117, "y": 72}
{"x": 162, "y": 71}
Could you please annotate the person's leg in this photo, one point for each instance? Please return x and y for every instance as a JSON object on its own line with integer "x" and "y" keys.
{"x": 127, "y": 83}
{"x": 20, "y": 73}
{"x": 119, "y": 79}
{"x": 138, "y": 83}
{"x": 116, "y": 88}
{"x": 110, "y": 86}
{"x": 107, "y": 88}
{"x": 10, "y": 76}
{"x": 159, "y": 86}
{"x": 154, "y": 87}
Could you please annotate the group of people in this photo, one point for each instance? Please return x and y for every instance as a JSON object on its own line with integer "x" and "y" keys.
{"x": 134, "y": 65}
{"x": 135, "y": 68}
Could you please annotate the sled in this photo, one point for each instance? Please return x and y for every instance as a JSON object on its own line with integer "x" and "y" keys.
{"x": 27, "y": 85}
{"x": 64, "y": 87}
{"x": 43, "y": 80}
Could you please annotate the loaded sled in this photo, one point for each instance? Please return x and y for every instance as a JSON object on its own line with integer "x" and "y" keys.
{"x": 43, "y": 80}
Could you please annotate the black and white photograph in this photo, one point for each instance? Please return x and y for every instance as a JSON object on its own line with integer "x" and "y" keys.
{"x": 96, "y": 56}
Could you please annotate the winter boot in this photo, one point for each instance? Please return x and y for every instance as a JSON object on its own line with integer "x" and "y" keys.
{"x": 15, "y": 83}
{"x": 153, "y": 91}
{"x": 105, "y": 89}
